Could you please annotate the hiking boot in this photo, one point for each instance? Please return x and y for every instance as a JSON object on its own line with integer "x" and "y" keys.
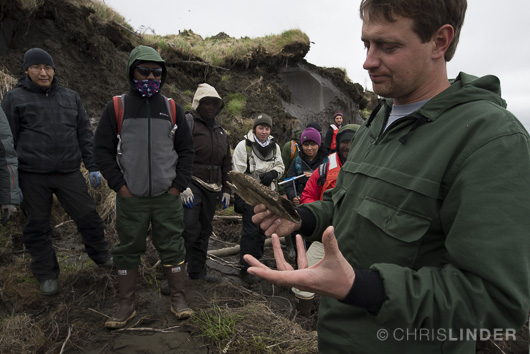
{"x": 127, "y": 289}
{"x": 49, "y": 287}
{"x": 176, "y": 280}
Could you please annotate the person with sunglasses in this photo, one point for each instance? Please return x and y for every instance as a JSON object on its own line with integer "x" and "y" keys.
{"x": 52, "y": 135}
{"x": 148, "y": 163}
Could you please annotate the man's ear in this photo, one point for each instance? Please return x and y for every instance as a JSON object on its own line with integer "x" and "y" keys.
{"x": 442, "y": 39}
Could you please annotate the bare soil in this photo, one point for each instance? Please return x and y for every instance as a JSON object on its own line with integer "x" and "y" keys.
{"x": 73, "y": 320}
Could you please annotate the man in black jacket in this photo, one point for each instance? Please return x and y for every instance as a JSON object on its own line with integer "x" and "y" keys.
{"x": 51, "y": 133}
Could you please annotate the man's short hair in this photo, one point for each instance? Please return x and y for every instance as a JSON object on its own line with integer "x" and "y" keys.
{"x": 428, "y": 16}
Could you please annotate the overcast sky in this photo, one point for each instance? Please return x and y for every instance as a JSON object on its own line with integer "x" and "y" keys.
{"x": 492, "y": 41}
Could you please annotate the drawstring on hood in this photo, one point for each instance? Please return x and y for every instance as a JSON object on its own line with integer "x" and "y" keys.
{"x": 374, "y": 112}
{"x": 420, "y": 120}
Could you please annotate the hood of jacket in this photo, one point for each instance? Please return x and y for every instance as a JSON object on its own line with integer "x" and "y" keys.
{"x": 347, "y": 128}
{"x": 141, "y": 54}
{"x": 205, "y": 90}
{"x": 465, "y": 88}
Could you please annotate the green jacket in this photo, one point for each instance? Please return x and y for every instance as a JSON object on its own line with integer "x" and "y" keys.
{"x": 442, "y": 216}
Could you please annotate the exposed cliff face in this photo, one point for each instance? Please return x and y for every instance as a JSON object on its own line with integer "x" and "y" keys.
{"x": 90, "y": 58}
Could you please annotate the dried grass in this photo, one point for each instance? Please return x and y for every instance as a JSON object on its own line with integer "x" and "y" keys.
{"x": 20, "y": 334}
{"x": 7, "y": 82}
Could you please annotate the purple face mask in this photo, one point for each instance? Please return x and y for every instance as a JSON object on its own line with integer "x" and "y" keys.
{"x": 147, "y": 87}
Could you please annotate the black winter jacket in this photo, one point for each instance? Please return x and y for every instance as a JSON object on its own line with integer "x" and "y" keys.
{"x": 51, "y": 130}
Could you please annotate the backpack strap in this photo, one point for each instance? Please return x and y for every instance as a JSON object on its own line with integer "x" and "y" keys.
{"x": 248, "y": 147}
{"x": 172, "y": 109}
{"x": 294, "y": 146}
{"x": 191, "y": 122}
{"x": 119, "y": 103}
{"x": 322, "y": 171}
{"x": 298, "y": 165}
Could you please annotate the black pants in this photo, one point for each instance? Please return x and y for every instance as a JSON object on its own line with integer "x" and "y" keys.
{"x": 71, "y": 191}
{"x": 252, "y": 237}
{"x": 198, "y": 228}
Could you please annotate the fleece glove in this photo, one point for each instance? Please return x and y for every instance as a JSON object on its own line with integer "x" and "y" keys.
{"x": 267, "y": 177}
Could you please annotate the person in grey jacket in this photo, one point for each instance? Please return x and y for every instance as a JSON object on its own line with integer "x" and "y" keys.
{"x": 51, "y": 133}
{"x": 148, "y": 162}
{"x": 9, "y": 190}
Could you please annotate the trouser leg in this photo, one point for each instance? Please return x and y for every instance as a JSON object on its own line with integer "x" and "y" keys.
{"x": 72, "y": 193}
{"x": 252, "y": 237}
{"x": 167, "y": 225}
{"x": 197, "y": 231}
{"x": 133, "y": 216}
{"x": 37, "y": 234}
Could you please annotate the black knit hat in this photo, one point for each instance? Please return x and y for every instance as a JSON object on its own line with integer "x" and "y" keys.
{"x": 314, "y": 125}
{"x": 37, "y": 56}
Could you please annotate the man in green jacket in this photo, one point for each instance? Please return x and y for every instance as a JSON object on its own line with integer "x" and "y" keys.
{"x": 428, "y": 251}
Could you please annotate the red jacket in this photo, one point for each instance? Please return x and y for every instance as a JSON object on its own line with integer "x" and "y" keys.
{"x": 314, "y": 191}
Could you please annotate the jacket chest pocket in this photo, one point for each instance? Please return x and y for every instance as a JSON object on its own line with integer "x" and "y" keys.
{"x": 387, "y": 234}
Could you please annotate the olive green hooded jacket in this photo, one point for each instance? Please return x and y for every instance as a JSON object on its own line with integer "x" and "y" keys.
{"x": 439, "y": 206}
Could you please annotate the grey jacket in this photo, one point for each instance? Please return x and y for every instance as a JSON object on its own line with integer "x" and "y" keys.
{"x": 155, "y": 153}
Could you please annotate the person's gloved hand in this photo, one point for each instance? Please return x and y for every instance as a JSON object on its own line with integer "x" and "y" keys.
{"x": 187, "y": 197}
{"x": 94, "y": 178}
{"x": 8, "y": 211}
{"x": 225, "y": 200}
{"x": 267, "y": 177}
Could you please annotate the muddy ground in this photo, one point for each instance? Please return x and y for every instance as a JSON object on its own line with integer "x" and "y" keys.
{"x": 73, "y": 320}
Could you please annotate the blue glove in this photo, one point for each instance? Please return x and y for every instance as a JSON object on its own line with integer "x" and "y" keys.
{"x": 225, "y": 200}
{"x": 187, "y": 197}
{"x": 94, "y": 178}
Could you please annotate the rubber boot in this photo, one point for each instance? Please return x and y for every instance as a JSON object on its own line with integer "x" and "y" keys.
{"x": 304, "y": 306}
{"x": 176, "y": 277}
{"x": 127, "y": 289}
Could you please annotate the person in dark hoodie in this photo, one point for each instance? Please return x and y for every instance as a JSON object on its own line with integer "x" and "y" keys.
{"x": 147, "y": 160}
{"x": 51, "y": 134}
{"x": 211, "y": 165}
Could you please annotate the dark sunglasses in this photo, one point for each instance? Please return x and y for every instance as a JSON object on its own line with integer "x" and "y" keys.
{"x": 145, "y": 71}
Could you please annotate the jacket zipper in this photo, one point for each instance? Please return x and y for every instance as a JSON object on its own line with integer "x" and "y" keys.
{"x": 149, "y": 180}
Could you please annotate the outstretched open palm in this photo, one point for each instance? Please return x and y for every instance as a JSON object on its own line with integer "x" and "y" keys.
{"x": 333, "y": 276}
